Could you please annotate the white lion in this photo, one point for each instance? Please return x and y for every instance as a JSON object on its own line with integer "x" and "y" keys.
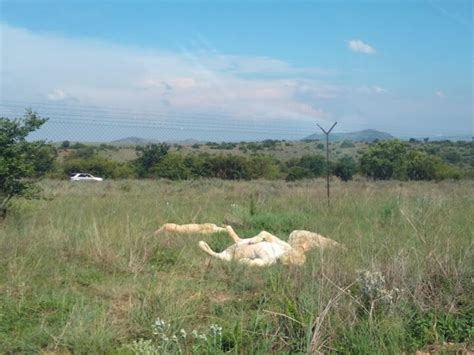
{"x": 263, "y": 249}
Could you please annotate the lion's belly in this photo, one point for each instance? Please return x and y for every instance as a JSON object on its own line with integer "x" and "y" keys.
{"x": 262, "y": 250}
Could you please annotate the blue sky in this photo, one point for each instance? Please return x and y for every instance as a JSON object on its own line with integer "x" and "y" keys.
{"x": 238, "y": 70}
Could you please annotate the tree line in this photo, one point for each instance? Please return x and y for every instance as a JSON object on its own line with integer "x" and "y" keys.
{"x": 22, "y": 160}
{"x": 382, "y": 160}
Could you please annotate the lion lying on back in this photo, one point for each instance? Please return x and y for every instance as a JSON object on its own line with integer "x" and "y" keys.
{"x": 262, "y": 250}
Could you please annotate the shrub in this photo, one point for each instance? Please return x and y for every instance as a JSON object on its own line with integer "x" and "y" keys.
{"x": 198, "y": 165}
{"x": 172, "y": 166}
{"x": 298, "y": 173}
{"x": 384, "y": 160}
{"x": 230, "y": 167}
{"x": 421, "y": 166}
{"x": 445, "y": 171}
{"x": 347, "y": 144}
{"x": 452, "y": 156}
{"x": 316, "y": 164}
{"x": 149, "y": 156}
{"x": 263, "y": 166}
{"x": 99, "y": 166}
{"x": 345, "y": 168}
{"x": 44, "y": 157}
{"x": 18, "y": 157}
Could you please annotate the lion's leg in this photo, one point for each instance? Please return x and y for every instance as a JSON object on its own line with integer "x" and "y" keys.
{"x": 232, "y": 234}
{"x": 207, "y": 249}
{"x": 263, "y": 235}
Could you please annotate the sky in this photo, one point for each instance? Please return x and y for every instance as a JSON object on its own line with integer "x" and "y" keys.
{"x": 237, "y": 70}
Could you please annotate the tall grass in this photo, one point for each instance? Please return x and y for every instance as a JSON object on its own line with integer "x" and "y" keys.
{"x": 82, "y": 272}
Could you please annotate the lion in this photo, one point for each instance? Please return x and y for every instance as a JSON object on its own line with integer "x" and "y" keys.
{"x": 262, "y": 250}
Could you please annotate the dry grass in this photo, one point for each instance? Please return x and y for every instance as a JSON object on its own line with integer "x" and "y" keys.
{"x": 81, "y": 270}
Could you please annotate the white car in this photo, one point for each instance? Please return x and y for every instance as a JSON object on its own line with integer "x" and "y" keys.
{"x": 84, "y": 177}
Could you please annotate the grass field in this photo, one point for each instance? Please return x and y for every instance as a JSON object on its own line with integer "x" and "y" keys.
{"x": 82, "y": 272}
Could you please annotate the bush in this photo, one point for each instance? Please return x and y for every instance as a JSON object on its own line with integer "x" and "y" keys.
{"x": 384, "y": 160}
{"x": 347, "y": 144}
{"x": 428, "y": 327}
{"x": 298, "y": 173}
{"x": 19, "y": 158}
{"x": 99, "y": 166}
{"x": 345, "y": 168}
{"x": 421, "y": 166}
{"x": 264, "y": 166}
{"x": 452, "y": 156}
{"x": 172, "y": 166}
{"x": 315, "y": 164}
{"x": 149, "y": 156}
{"x": 445, "y": 171}
{"x": 198, "y": 165}
{"x": 230, "y": 167}
{"x": 44, "y": 158}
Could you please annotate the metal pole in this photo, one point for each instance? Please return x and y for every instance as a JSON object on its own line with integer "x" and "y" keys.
{"x": 327, "y": 165}
{"x": 327, "y": 155}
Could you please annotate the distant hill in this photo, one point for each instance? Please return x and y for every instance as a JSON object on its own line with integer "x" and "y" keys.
{"x": 368, "y": 135}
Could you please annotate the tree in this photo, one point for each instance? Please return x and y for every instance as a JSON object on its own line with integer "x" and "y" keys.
{"x": 149, "y": 156}
{"x": 452, "y": 156}
{"x": 263, "y": 166}
{"x": 230, "y": 167}
{"x": 422, "y": 166}
{"x": 17, "y": 155}
{"x": 347, "y": 144}
{"x": 44, "y": 156}
{"x": 315, "y": 164}
{"x": 345, "y": 168}
{"x": 172, "y": 167}
{"x": 384, "y": 160}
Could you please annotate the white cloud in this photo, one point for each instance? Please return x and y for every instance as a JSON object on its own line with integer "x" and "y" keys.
{"x": 440, "y": 94}
{"x": 192, "y": 85}
{"x": 379, "y": 90}
{"x": 59, "y": 95}
{"x": 103, "y": 75}
{"x": 374, "y": 89}
{"x": 356, "y": 45}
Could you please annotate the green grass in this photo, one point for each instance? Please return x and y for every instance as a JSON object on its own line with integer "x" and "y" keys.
{"x": 82, "y": 272}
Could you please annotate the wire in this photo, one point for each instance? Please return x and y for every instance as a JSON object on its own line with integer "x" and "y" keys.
{"x": 181, "y": 121}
